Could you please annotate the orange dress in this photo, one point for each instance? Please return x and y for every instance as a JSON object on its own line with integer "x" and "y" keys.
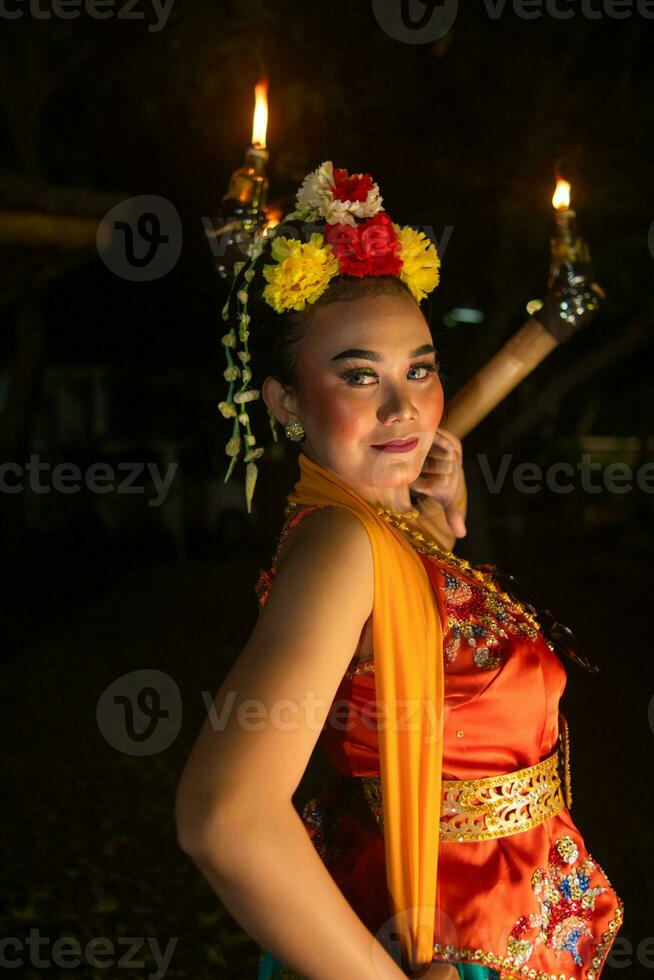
{"x": 533, "y": 904}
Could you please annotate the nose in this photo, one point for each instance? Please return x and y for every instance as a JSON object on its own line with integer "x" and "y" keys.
{"x": 397, "y": 405}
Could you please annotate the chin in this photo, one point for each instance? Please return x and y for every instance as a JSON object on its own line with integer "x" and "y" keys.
{"x": 396, "y": 473}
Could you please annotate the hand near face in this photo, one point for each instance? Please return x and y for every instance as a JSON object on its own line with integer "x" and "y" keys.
{"x": 441, "y": 478}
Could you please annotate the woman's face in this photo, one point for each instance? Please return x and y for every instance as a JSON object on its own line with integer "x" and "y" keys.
{"x": 368, "y": 375}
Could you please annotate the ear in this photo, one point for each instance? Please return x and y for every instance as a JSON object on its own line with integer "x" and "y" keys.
{"x": 282, "y": 402}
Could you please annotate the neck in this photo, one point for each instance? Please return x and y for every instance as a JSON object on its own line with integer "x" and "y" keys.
{"x": 397, "y": 499}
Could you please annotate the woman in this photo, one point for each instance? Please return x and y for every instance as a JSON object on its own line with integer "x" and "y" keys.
{"x": 442, "y": 845}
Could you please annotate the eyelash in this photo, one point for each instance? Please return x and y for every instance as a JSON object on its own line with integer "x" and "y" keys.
{"x": 369, "y": 373}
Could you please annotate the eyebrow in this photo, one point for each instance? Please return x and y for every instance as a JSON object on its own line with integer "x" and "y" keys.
{"x": 373, "y": 355}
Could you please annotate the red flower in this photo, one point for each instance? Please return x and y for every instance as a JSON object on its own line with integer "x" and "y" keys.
{"x": 354, "y": 188}
{"x": 369, "y": 248}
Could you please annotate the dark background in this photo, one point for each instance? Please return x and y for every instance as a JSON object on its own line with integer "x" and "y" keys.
{"x": 464, "y": 133}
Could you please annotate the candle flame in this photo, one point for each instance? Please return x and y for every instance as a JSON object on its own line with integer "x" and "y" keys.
{"x": 561, "y": 198}
{"x": 260, "y": 122}
{"x": 274, "y": 217}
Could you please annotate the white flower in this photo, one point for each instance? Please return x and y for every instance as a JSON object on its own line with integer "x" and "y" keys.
{"x": 231, "y": 373}
{"x": 250, "y": 483}
{"x": 256, "y": 247}
{"x": 250, "y": 440}
{"x": 246, "y": 396}
{"x": 244, "y": 355}
{"x": 244, "y": 418}
{"x": 227, "y": 410}
{"x": 252, "y": 454}
{"x": 242, "y": 296}
{"x": 246, "y": 374}
{"x": 237, "y": 268}
{"x": 315, "y": 195}
{"x": 315, "y": 199}
{"x": 229, "y": 339}
{"x": 233, "y": 446}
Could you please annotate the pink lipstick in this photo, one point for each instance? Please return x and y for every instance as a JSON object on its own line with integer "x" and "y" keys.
{"x": 397, "y": 446}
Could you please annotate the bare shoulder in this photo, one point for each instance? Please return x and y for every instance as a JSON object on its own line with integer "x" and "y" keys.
{"x": 332, "y": 539}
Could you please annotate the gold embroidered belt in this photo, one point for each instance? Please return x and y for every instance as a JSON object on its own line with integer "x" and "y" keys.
{"x": 494, "y": 806}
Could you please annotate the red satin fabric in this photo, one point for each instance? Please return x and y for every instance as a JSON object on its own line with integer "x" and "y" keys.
{"x": 501, "y": 715}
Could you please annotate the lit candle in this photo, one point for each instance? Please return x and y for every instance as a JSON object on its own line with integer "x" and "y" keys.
{"x": 567, "y": 245}
{"x": 243, "y": 214}
{"x": 248, "y": 186}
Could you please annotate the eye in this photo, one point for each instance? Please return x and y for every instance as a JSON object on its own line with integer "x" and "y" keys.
{"x": 428, "y": 367}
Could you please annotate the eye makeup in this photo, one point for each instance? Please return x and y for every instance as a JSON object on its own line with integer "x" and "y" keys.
{"x": 431, "y": 367}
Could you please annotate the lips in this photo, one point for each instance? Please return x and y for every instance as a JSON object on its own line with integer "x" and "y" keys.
{"x": 397, "y": 446}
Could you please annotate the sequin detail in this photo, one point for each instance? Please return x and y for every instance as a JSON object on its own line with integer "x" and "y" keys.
{"x": 566, "y": 902}
{"x": 479, "y": 614}
{"x": 479, "y": 617}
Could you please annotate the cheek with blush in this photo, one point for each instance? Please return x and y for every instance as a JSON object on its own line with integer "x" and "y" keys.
{"x": 339, "y": 418}
{"x": 432, "y": 411}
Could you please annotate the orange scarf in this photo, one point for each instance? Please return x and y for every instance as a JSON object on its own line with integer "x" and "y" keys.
{"x": 407, "y": 643}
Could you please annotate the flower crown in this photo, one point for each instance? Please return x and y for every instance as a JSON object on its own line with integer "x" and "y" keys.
{"x": 356, "y": 238}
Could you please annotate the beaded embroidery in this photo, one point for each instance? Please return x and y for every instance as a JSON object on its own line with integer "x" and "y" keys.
{"x": 479, "y": 613}
{"x": 477, "y": 616}
{"x": 566, "y": 903}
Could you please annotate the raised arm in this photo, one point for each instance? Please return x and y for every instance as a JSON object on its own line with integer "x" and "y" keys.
{"x": 234, "y": 812}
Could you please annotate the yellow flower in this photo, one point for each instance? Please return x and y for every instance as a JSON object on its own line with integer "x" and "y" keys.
{"x": 420, "y": 261}
{"x": 302, "y": 273}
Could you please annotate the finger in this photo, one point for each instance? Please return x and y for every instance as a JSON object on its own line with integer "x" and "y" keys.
{"x": 439, "y": 467}
{"x": 456, "y": 521}
{"x": 436, "y": 485}
{"x": 445, "y": 438}
{"x": 443, "y": 447}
